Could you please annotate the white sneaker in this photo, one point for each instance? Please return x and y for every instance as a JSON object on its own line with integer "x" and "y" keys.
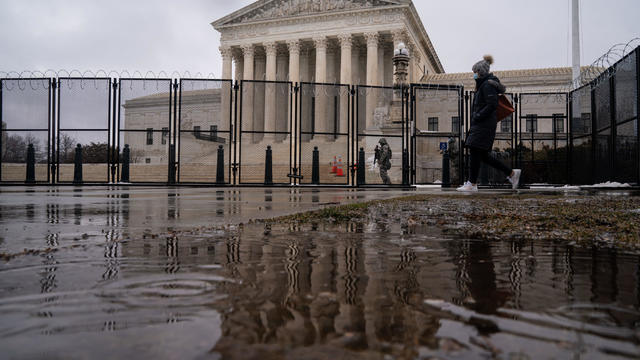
{"x": 515, "y": 179}
{"x": 468, "y": 187}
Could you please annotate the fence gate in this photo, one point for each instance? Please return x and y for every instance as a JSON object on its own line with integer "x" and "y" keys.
{"x": 26, "y": 119}
{"x": 84, "y": 112}
{"x": 205, "y": 131}
{"x": 324, "y": 122}
{"x": 437, "y": 111}
{"x": 543, "y": 134}
{"x": 265, "y": 132}
{"x": 145, "y": 114}
{"x": 381, "y": 112}
{"x": 504, "y": 146}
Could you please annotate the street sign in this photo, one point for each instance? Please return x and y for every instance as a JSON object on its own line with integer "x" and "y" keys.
{"x": 443, "y": 146}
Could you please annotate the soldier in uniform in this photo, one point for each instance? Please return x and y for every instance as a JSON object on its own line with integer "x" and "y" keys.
{"x": 384, "y": 160}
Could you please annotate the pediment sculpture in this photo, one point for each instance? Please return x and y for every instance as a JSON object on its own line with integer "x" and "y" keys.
{"x": 289, "y": 8}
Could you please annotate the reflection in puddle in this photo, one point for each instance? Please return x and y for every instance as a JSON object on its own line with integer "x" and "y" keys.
{"x": 342, "y": 290}
{"x": 126, "y": 283}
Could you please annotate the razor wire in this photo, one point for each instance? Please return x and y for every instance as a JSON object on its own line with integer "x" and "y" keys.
{"x": 36, "y": 79}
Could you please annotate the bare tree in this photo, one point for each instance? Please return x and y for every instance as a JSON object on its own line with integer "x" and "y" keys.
{"x": 66, "y": 149}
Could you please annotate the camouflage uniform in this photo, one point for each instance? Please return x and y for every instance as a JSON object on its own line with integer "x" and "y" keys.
{"x": 385, "y": 161}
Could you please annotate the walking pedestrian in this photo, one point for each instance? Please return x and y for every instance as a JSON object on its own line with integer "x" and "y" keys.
{"x": 483, "y": 126}
{"x": 384, "y": 161}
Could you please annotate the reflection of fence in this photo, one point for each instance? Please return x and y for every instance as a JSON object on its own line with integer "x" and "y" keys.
{"x": 221, "y": 132}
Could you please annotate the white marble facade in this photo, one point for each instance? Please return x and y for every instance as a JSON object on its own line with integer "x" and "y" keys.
{"x": 326, "y": 41}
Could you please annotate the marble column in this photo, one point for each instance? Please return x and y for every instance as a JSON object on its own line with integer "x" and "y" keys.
{"x": 321, "y": 77}
{"x": 398, "y": 36}
{"x": 227, "y": 64}
{"x": 239, "y": 62}
{"x": 294, "y": 60}
{"x": 294, "y": 69}
{"x": 372, "y": 76}
{"x": 247, "y": 90}
{"x": 271, "y": 50}
{"x": 346, "y": 43}
{"x": 225, "y": 89}
{"x": 412, "y": 67}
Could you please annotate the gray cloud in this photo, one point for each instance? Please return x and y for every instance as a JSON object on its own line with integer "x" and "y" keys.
{"x": 170, "y": 35}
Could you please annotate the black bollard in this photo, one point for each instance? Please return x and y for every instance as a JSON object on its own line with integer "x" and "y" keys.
{"x": 172, "y": 164}
{"x": 126, "y": 160}
{"x": 77, "y": 169}
{"x": 268, "y": 167}
{"x": 446, "y": 169}
{"x": 31, "y": 165}
{"x": 405, "y": 167}
{"x": 361, "y": 167}
{"x": 220, "y": 166}
{"x": 315, "y": 167}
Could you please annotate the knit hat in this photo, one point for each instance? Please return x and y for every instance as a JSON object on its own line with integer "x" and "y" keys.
{"x": 483, "y": 67}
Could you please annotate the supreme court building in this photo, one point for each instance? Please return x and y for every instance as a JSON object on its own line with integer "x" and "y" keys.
{"x": 324, "y": 46}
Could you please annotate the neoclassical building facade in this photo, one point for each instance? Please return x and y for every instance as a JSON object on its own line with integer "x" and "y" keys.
{"x": 321, "y": 42}
{"x": 326, "y": 41}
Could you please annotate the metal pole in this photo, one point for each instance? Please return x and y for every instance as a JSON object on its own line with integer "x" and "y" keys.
{"x": 56, "y": 114}
{"x": 638, "y": 114}
{"x": 613, "y": 173}
{"x": 2, "y": 126}
{"x": 576, "y": 38}
{"x": 177, "y": 102}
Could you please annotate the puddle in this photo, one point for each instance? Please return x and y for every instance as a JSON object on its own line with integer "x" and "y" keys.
{"x": 113, "y": 275}
{"x": 346, "y": 291}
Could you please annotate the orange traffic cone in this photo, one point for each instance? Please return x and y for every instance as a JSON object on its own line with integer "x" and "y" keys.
{"x": 334, "y": 167}
{"x": 340, "y": 170}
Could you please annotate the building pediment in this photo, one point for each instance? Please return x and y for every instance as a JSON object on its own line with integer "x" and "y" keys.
{"x": 278, "y": 9}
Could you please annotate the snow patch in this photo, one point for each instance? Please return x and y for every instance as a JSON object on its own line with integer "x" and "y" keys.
{"x": 428, "y": 186}
{"x": 548, "y": 187}
{"x": 609, "y": 185}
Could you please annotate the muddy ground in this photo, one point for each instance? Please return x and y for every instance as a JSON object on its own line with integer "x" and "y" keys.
{"x": 606, "y": 219}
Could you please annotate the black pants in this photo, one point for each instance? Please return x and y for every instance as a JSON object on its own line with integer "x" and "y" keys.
{"x": 477, "y": 157}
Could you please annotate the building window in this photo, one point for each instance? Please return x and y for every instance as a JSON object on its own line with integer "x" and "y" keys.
{"x": 433, "y": 124}
{"x": 506, "y": 124}
{"x": 196, "y": 129}
{"x": 165, "y": 135}
{"x": 455, "y": 124}
{"x": 586, "y": 123}
{"x": 149, "y": 136}
{"x": 532, "y": 123}
{"x": 558, "y": 123}
{"x": 147, "y": 161}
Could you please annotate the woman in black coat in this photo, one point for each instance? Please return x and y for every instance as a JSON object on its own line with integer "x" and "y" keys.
{"x": 483, "y": 125}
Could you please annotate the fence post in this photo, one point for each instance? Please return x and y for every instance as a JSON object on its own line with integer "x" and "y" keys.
{"x": 31, "y": 165}
{"x": 405, "y": 167}
{"x": 361, "y": 167}
{"x": 172, "y": 164}
{"x": 126, "y": 160}
{"x": 446, "y": 172}
{"x": 268, "y": 167}
{"x": 220, "y": 166}
{"x": 315, "y": 167}
{"x": 638, "y": 113}
{"x": 77, "y": 168}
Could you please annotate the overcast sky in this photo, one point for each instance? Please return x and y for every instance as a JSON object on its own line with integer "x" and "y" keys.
{"x": 177, "y": 36}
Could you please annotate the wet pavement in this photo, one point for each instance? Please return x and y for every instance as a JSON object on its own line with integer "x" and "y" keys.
{"x": 168, "y": 273}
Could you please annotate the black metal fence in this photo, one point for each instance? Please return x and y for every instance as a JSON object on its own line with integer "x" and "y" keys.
{"x": 604, "y": 125}
{"x": 220, "y": 132}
